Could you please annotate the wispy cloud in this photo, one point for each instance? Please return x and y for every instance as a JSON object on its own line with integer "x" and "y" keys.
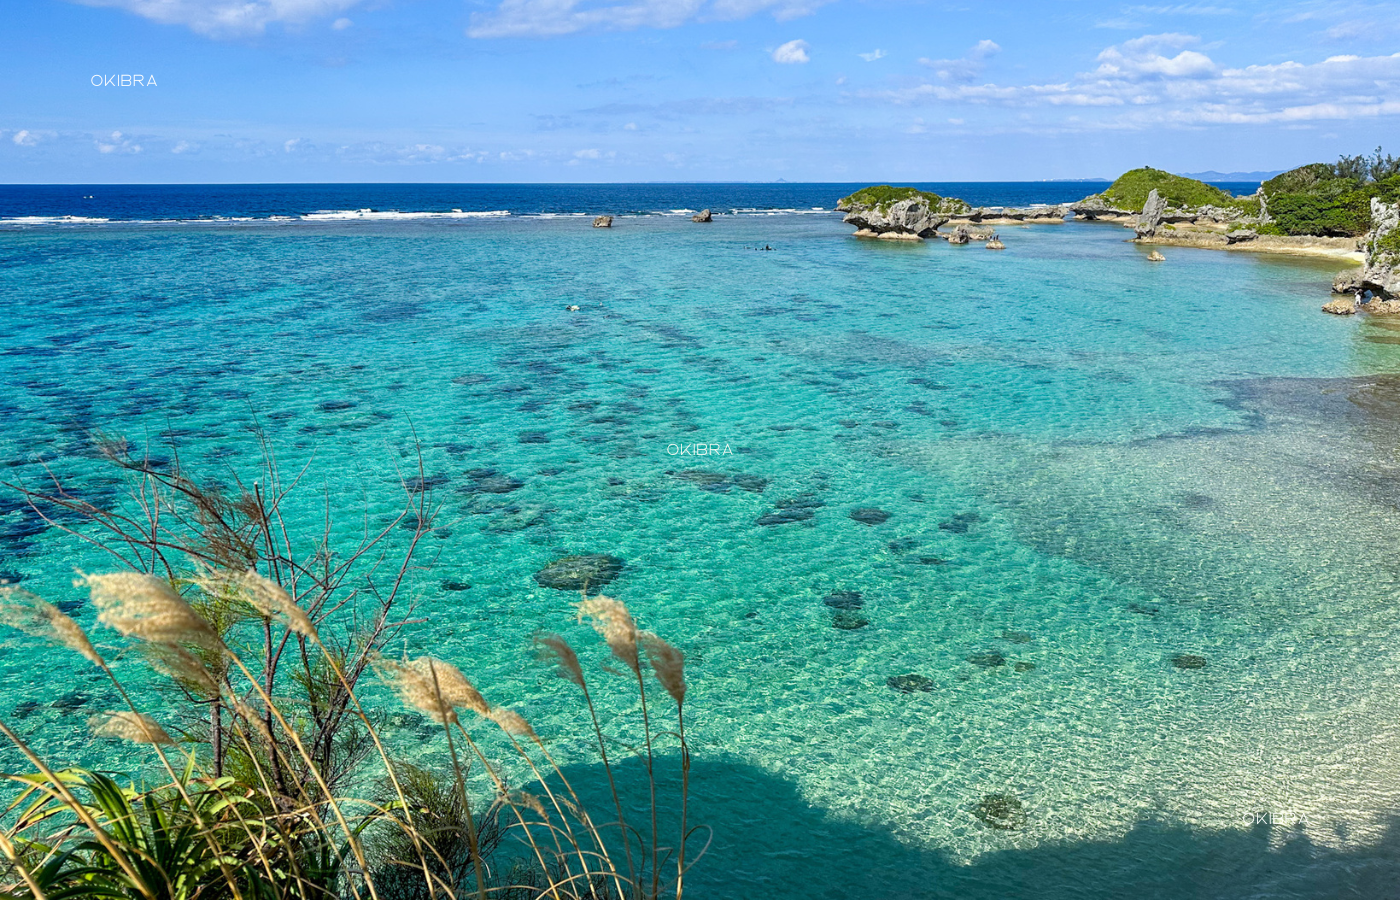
{"x": 116, "y": 142}
{"x": 231, "y": 18}
{"x": 966, "y": 67}
{"x": 24, "y": 138}
{"x": 1159, "y": 80}
{"x": 872, "y": 55}
{"x": 552, "y": 18}
{"x": 791, "y": 53}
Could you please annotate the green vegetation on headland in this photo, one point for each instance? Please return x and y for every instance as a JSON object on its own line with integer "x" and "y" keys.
{"x": 883, "y": 196}
{"x": 1332, "y": 199}
{"x": 1131, "y": 189}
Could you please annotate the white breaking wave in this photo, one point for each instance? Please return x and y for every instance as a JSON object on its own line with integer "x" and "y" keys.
{"x": 53, "y": 220}
{"x": 342, "y": 215}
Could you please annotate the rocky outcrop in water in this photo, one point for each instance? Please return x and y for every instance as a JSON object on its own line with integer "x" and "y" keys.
{"x": 1341, "y": 305}
{"x": 1150, "y": 219}
{"x": 904, "y": 218}
{"x": 702, "y": 216}
{"x": 603, "y": 222}
{"x": 1096, "y": 207}
{"x": 895, "y": 213}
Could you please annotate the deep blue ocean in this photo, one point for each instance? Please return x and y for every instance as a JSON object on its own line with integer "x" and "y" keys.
{"x": 1133, "y": 523}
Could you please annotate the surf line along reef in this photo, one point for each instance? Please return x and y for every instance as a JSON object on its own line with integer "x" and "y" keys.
{"x": 1349, "y": 210}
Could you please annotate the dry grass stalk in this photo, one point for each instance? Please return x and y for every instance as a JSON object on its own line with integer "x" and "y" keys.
{"x": 174, "y": 661}
{"x": 553, "y": 648}
{"x": 612, "y": 620}
{"x": 147, "y": 608}
{"x": 669, "y": 664}
{"x": 266, "y": 596}
{"x": 432, "y": 687}
{"x": 135, "y": 727}
{"x": 512, "y": 723}
{"x": 25, "y": 612}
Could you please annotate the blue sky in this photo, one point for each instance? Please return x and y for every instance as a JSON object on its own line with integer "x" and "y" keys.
{"x": 676, "y": 90}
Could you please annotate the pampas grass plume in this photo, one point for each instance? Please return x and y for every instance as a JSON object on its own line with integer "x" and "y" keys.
{"x": 612, "y": 620}
{"x": 147, "y": 608}
{"x": 669, "y": 664}
{"x": 25, "y": 612}
{"x": 129, "y": 726}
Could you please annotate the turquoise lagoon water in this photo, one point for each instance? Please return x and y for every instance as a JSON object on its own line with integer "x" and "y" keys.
{"x": 1091, "y": 465}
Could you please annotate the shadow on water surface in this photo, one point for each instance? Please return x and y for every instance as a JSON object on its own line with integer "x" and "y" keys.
{"x": 770, "y": 843}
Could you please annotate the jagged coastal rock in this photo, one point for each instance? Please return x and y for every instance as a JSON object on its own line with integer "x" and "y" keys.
{"x": 702, "y": 216}
{"x": 1341, "y": 305}
{"x": 1380, "y": 272}
{"x": 603, "y": 222}
{"x": 1150, "y": 219}
{"x": 995, "y": 243}
{"x": 1155, "y": 256}
{"x": 893, "y": 213}
{"x": 1014, "y": 215}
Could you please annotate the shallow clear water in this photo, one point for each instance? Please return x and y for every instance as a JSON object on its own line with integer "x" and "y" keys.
{"x": 1091, "y": 465}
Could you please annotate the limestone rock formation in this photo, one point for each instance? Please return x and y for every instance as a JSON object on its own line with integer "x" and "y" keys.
{"x": 1240, "y": 236}
{"x": 1150, "y": 219}
{"x": 1382, "y": 273}
{"x": 702, "y": 216}
{"x": 603, "y": 222}
{"x": 995, "y": 244}
{"x": 910, "y": 217}
{"x": 1155, "y": 256}
{"x": 1096, "y": 207}
{"x": 1341, "y": 305}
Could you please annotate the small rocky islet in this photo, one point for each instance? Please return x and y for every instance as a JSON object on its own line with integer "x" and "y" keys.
{"x": 1348, "y": 209}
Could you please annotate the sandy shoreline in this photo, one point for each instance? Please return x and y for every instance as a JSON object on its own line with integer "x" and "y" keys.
{"x": 1330, "y": 247}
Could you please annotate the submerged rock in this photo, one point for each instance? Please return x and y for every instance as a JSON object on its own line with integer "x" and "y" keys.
{"x": 489, "y": 481}
{"x": 424, "y": 483}
{"x": 869, "y": 515}
{"x": 909, "y": 684}
{"x": 989, "y": 660}
{"x": 796, "y": 509}
{"x": 449, "y": 585}
{"x": 574, "y": 573}
{"x": 1024, "y": 667}
{"x": 532, "y": 437}
{"x": 603, "y": 222}
{"x": 1016, "y": 637}
{"x": 960, "y": 523}
{"x": 1189, "y": 661}
{"x": 1000, "y": 811}
{"x": 844, "y": 600}
{"x": 847, "y": 620}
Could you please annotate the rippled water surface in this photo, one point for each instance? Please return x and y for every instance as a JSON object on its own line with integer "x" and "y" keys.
{"x": 1093, "y": 468}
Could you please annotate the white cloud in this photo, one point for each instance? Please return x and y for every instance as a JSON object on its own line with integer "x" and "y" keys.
{"x": 791, "y": 53}
{"x": 341, "y": 24}
{"x": 1144, "y": 58}
{"x": 229, "y": 18}
{"x": 184, "y": 147}
{"x": 24, "y": 139}
{"x": 968, "y": 66}
{"x": 1156, "y": 80}
{"x": 117, "y": 143}
{"x": 591, "y": 153}
{"x": 630, "y": 126}
{"x": 872, "y": 55}
{"x": 551, "y": 18}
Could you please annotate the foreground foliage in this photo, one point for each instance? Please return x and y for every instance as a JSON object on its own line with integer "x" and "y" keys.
{"x": 255, "y": 796}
